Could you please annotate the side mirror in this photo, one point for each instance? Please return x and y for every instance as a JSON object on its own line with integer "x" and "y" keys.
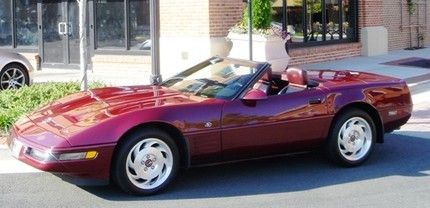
{"x": 254, "y": 95}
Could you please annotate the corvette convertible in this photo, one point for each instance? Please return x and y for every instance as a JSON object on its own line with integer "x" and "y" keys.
{"x": 220, "y": 110}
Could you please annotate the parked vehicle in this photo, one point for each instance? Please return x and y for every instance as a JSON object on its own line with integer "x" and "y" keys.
{"x": 15, "y": 71}
{"x": 220, "y": 110}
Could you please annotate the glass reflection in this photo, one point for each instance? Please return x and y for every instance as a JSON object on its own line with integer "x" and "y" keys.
{"x": 139, "y": 25}
{"x": 26, "y": 22}
{"x": 295, "y": 24}
{"x": 332, "y": 19}
{"x": 110, "y": 24}
{"x": 347, "y": 30}
{"x": 314, "y": 20}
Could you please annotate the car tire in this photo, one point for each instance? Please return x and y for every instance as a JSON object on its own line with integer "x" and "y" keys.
{"x": 146, "y": 162}
{"x": 351, "y": 138}
{"x": 16, "y": 73}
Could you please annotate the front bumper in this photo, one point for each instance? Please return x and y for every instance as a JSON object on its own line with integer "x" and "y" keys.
{"x": 96, "y": 168}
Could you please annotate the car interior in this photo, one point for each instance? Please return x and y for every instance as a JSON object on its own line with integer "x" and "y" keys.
{"x": 289, "y": 81}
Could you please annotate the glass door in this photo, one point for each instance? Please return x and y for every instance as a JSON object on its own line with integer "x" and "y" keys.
{"x": 53, "y": 25}
{"x": 60, "y": 36}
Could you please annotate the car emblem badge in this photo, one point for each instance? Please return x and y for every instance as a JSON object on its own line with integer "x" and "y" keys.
{"x": 208, "y": 124}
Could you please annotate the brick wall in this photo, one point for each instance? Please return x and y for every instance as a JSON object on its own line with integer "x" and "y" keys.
{"x": 369, "y": 13}
{"x": 399, "y": 37}
{"x": 301, "y": 56}
{"x": 184, "y": 18}
{"x": 223, "y": 15}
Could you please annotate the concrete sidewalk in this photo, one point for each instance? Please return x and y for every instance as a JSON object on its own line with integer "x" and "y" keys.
{"x": 413, "y": 75}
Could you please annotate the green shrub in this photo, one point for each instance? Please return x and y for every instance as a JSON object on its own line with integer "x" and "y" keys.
{"x": 261, "y": 14}
{"x": 15, "y": 103}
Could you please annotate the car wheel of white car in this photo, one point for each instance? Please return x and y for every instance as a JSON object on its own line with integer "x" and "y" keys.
{"x": 13, "y": 76}
{"x": 351, "y": 138}
{"x": 145, "y": 162}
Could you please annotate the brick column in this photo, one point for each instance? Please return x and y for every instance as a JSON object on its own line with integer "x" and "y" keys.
{"x": 373, "y": 35}
{"x": 194, "y": 30}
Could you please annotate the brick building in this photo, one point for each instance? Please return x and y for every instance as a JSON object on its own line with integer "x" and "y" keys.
{"x": 192, "y": 30}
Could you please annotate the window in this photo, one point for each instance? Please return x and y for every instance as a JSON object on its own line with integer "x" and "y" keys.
{"x": 313, "y": 22}
{"x": 26, "y": 22}
{"x": 18, "y": 23}
{"x": 113, "y": 32}
{"x": 110, "y": 24}
{"x": 5, "y": 24}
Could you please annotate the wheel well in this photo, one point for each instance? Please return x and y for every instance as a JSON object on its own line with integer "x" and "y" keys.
{"x": 16, "y": 63}
{"x": 373, "y": 113}
{"x": 177, "y": 136}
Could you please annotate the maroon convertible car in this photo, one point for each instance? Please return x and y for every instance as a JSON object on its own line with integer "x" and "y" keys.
{"x": 221, "y": 110}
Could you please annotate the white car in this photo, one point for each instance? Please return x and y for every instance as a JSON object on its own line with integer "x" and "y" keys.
{"x": 15, "y": 71}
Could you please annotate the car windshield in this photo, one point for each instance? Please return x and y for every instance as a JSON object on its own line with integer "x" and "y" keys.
{"x": 215, "y": 78}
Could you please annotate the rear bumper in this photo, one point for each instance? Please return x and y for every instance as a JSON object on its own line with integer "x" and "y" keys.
{"x": 97, "y": 168}
{"x": 393, "y": 122}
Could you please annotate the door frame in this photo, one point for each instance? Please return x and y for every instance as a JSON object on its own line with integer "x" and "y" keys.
{"x": 65, "y": 43}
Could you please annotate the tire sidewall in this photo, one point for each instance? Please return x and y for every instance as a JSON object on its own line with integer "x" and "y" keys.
{"x": 333, "y": 147}
{"x": 119, "y": 174}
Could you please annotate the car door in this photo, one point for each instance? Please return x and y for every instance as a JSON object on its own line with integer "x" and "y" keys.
{"x": 281, "y": 123}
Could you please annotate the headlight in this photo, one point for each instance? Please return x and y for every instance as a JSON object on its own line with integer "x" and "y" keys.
{"x": 48, "y": 156}
{"x": 39, "y": 155}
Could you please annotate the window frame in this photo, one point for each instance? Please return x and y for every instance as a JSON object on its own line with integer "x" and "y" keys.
{"x": 353, "y": 21}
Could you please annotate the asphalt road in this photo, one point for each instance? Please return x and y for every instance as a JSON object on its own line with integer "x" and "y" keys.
{"x": 397, "y": 175}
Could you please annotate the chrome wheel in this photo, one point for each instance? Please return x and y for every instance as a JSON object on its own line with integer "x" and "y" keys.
{"x": 355, "y": 139}
{"x": 149, "y": 163}
{"x": 12, "y": 78}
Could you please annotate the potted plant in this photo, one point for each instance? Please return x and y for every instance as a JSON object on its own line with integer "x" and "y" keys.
{"x": 269, "y": 40}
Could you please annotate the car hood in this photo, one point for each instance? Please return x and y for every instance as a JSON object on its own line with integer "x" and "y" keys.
{"x": 76, "y": 112}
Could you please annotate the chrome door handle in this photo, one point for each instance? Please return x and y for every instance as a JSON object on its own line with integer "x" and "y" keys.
{"x": 315, "y": 101}
{"x": 62, "y": 28}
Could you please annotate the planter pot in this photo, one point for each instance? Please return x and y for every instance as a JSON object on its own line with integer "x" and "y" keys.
{"x": 267, "y": 49}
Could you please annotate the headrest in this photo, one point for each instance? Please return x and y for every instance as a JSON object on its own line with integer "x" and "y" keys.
{"x": 297, "y": 76}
